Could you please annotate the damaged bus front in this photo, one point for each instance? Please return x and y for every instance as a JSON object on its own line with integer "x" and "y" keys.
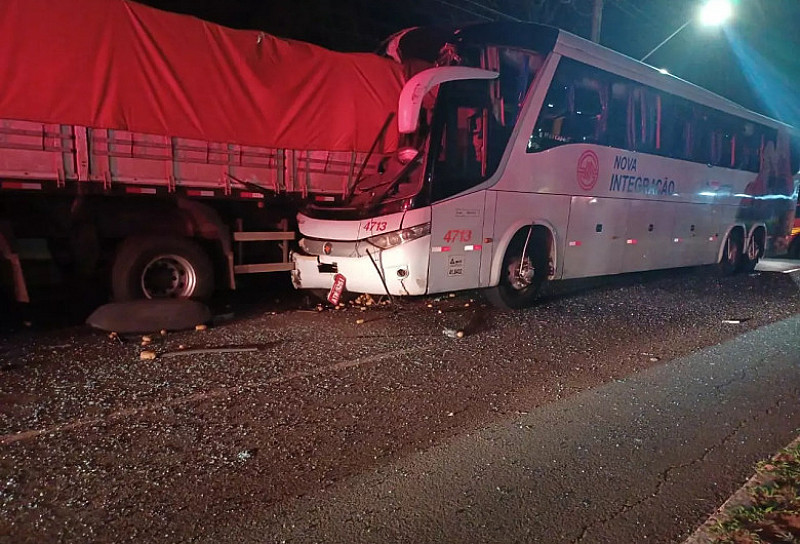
{"x": 416, "y": 226}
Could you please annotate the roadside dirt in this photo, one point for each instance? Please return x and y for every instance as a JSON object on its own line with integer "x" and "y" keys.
{"x": 766, "y": 510}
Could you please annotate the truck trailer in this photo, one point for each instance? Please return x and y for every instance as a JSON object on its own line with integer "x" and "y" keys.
{"x": 162, "y": 155}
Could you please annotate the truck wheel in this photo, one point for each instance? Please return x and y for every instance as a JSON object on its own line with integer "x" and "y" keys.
{"x": 522, "y": 276}
{"x": 161, "y": 267}
{"x": 731, "y": 254}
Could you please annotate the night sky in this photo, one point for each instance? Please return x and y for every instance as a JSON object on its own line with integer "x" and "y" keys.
{"x": 754, "y": 59}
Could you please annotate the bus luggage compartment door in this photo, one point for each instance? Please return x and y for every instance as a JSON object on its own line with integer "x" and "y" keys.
{"x": 595, "y": 236}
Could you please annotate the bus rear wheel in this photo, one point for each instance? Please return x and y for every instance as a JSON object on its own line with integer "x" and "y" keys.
{"x": 755, "y": 250}
{"x": 731, "y": 258}
{"x": 525, "y": 269}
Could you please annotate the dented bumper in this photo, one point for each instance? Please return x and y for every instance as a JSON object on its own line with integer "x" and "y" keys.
{"x": 404, "y": 270}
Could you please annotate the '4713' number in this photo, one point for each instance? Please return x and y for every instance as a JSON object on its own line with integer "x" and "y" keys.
{"x": 458, "y": 235}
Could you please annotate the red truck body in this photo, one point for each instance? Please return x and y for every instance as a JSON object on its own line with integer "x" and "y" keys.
{"x": 128, "y": 134}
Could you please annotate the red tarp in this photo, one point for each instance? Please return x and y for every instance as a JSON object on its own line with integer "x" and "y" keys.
{"x": 118, "y": 64}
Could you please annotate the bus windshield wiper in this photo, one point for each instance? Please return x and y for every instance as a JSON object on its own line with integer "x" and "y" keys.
{"x": 377, "y": 139}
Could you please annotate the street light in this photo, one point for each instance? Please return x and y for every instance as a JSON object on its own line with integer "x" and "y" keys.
{"x": 712, "y": 13}
{"x": 715, "y": 12}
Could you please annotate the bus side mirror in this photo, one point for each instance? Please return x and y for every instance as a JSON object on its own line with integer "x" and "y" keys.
{"x": 417, "y": 87}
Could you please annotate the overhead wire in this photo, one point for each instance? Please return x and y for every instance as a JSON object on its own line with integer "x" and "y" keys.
{"x": 465, "y": 10}
{"x": 625, "y": 7}
{"x": 495, "y": 11}
{"x": 580, "y": 12}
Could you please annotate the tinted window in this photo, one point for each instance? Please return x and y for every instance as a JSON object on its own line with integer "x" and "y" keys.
{"x": 588, "y": 105}
{"x": 574, "y": 109}
{"x": 676, "y": 128}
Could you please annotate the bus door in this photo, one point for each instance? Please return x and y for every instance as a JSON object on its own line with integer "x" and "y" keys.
{"x": 462, "y": 161}
{"x": 457, "y": 243}
{"x": 471, "y": 128}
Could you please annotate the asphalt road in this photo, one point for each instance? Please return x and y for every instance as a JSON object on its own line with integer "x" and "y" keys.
{"x": 631, "y": 461}
{"x": 624, "y": 410}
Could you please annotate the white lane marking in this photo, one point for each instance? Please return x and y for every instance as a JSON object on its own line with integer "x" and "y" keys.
{"x": 196, "y": 397}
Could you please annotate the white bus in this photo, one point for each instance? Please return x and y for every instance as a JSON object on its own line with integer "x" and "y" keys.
{"x": 532, "y": 155}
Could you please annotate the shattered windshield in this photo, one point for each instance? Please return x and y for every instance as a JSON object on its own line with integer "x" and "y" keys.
{"x": 464, "y": 128}
{"x": 398, "y": 177}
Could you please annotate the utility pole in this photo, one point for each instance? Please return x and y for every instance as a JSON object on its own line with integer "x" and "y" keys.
{"x": 597, "y": 20}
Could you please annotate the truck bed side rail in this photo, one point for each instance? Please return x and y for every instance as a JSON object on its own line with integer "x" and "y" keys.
{"x": 33, "y": 153}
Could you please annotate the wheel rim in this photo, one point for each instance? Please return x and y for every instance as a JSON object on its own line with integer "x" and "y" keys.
{"x": 169, "y": 276}
{"x": 520, "y": 277}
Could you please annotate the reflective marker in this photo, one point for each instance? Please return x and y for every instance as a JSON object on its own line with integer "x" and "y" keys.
{"x": 21, "y": 185}
{"x": 140, "y": 190}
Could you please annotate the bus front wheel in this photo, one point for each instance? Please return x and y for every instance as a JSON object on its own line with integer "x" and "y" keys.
{"x": 525, "y": 269}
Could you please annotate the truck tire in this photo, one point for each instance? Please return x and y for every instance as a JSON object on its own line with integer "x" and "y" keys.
{"x": 161, "y": 267}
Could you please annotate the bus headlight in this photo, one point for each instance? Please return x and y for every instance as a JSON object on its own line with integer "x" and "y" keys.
{"x": 391, "y": 239}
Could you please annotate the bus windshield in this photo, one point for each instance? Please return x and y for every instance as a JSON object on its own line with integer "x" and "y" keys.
{"x": 473, "y": 121}
{"x": 464, "y": 127}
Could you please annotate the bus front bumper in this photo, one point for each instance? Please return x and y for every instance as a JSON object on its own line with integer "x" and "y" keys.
{"x": 404, "y": 269}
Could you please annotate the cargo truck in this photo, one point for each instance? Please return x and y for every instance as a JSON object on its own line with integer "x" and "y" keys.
{"x": 163, "y": 155}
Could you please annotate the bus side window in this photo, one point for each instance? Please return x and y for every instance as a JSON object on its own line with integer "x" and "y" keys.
{"x": 722, "y": 141}
{"x": 701, "y": 144}
{"x": 616, "y": 133}
{"x": 643, "y": 120}
{"x": 746, "y": 148}
{"x": 574, "y": 109}
{"x": 584, "y": 121}
{"x": 676, "y": 128}
{"x": 549, "y": 128}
